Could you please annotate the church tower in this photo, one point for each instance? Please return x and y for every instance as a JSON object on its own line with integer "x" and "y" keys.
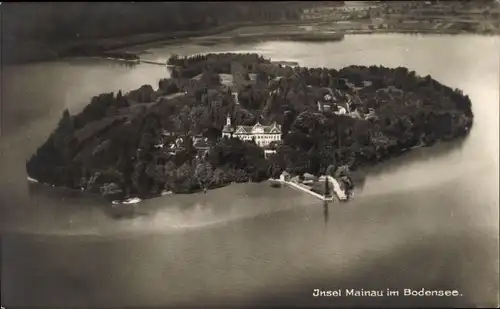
{"x": 228, "y": 129}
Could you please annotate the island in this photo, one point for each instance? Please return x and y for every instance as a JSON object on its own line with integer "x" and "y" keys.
{"x": 225, "y": 118}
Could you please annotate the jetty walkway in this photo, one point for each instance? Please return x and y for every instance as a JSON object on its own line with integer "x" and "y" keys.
{"x": 340, "y": 194}
{"x": 157, "y": 63}
{"x": 307, "y": 190}
{"x": 336, "y": 187}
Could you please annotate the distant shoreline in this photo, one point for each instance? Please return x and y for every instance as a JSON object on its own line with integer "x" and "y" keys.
{"x": 295, "y": 37}
{"x": 420, "y": 31}
{"x": 39, "y": 52}
{"x": 299, "y": 37}
{"x": 103, "y": 47}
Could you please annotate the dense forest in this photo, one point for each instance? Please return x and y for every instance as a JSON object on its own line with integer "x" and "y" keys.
{"x": 44, "y": 26}
{"x": 143, "y": 142}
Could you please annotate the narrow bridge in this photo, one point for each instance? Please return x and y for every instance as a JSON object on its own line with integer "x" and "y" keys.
{"x": 157, "y": 63}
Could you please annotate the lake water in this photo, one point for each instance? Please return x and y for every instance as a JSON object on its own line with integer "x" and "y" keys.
{"x": 428, "y": 219}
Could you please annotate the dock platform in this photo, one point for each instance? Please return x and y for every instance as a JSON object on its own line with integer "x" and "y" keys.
{"x": 336, "y": 187}
{"x": 339, "y": 193}
{"x": 157, "y": 63}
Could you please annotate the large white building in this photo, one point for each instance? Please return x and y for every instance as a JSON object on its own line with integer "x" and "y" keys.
{"x": 262, "y": 134}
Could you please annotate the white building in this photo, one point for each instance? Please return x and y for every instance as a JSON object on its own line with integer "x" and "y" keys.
{"x": 235, "y": 97}
{"x": 269, "y": 152}
{"x": 341, "y": 111}
{"x": 262, "y": 134}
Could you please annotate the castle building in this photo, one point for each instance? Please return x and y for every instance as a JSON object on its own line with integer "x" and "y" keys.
{"x": 262, "y": 134}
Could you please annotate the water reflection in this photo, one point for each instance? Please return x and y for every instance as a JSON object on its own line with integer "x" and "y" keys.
{"x": 425, "y": 154}
{"x": 131, "y": 211}
{"x": 413, "y": 272}
{"x": 325, "y": 212}
{"x": 127, "y": 64}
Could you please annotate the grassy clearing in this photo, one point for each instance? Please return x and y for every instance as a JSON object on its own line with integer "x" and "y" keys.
{"x": 95, "y": 127}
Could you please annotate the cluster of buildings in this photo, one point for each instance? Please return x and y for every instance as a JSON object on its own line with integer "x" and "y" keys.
{"x": 338, "y": 107}
{"x": 345, "y": 104}
{"x": 199, "y": 142}
{"x": 349, "y": 10}
{"x": 264, "y": 135}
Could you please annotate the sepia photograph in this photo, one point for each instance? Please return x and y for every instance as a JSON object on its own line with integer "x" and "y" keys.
{"x": 250, "y": 154}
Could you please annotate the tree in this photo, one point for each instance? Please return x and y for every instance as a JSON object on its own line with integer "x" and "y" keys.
{"x": 204, "y": 174}
{"x": 63, "y": 135}
{"x": 219, "y": 177}
{"x": 330, "y": 171}
{"x": 189, "y": 148}
{"x": 184, "y": 181}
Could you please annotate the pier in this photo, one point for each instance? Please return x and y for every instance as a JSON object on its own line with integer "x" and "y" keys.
{"x": 339, "y": 193}
{"x": 154, "y": 62}
{"x": 336, "y": 187}
{"x": 307, "y": 190}
{"x": 157, "y": 63}
{"x": 137, "y": 61}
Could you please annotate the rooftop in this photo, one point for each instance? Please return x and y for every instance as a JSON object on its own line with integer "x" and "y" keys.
{"x": 258, "y": 129}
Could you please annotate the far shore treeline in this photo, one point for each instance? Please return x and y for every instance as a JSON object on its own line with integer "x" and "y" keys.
{"x": 115, "y": 141}
{"x": 34, "y": 31}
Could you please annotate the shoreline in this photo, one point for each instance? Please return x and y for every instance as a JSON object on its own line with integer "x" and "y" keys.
{"x": 211, "y": 41}
{"x": 44, "y": 52}
{"x": 362, "y": 171}
{"x": 213, "y": 37}
{"x": 421, "y": 31}
{"x": 133, "y": 200}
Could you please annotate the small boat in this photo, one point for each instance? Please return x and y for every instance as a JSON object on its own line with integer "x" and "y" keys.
{"x": 132, "y": 200}
{"x": 32, "y": 179}
{"x": 165, "y": 193}
{"x": 275, "y": 183}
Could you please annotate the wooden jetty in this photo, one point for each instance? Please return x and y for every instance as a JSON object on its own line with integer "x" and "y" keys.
{"x": 158, "y": 63}
{"x": 335, "y": 192}
{"x": 307, "y": 190}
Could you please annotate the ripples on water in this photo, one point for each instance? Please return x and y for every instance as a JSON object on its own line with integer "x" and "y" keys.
{"x": 82, "y": 214}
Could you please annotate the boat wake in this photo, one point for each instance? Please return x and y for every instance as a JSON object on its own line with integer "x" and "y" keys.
{"x": 153, "y": 219}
